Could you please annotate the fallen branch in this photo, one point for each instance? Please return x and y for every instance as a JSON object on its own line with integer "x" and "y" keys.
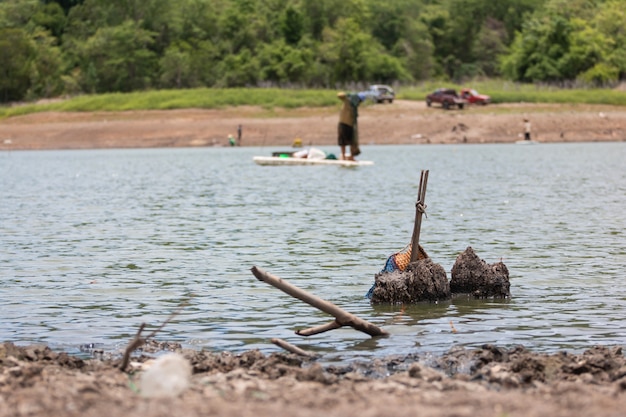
{"x": 319, "y": 329}
{"x": 139, "y": 341}
{"x": 293, "y": 349}
{"x": 134, "y": 344}
{"x": 342, "y": 317}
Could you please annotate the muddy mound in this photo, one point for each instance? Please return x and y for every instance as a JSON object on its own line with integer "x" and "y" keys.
{"x": 425, "y": 280}
{"x": 517, "y": 367}
{"x": 472, "y": 275}
{"x": 422, "y": 280}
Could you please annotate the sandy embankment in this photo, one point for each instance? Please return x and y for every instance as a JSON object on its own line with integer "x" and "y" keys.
{"x": 403, "y": 122}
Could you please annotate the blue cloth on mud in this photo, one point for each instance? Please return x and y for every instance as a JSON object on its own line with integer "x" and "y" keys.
{"x": 390, "y": 266}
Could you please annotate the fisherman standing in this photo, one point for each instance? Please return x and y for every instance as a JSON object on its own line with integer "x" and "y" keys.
{"x": 526, "y": 129}
{"x": 347, "y": 129}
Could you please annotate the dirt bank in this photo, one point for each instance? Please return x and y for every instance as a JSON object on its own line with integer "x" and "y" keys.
{"x": 486, "y": 382}
{"x": 403, "y": 122}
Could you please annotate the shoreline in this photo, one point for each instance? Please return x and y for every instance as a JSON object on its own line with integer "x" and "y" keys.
{"x": 402, "y": 122}
{"x": 490, "y": 381}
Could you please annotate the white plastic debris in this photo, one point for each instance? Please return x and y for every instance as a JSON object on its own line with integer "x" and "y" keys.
{"x": 168, "y": 376}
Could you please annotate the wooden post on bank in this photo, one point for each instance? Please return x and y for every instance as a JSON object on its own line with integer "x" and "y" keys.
{"x": 342, "y": 317}
{"x": 420, "y": 208}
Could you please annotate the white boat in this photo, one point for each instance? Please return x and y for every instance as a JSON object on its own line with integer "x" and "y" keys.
{"x": 310, "y": 156}
{"x": 278, "y": 161}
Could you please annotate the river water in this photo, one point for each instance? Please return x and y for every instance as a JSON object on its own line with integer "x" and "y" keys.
{"x": 93, "y": 243}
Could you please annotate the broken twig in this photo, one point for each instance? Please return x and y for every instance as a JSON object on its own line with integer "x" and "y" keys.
{"x": 139, "y": 341}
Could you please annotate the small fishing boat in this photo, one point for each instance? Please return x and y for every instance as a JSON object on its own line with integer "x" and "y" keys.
{"x": 311, "y": 156}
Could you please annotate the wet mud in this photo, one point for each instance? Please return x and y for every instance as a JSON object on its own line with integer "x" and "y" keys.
{"x": 491, "y": 381}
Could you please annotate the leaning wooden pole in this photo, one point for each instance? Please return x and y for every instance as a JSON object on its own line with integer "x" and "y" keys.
{"x": 342, "y": 317}
{"x": 420, "y": 208}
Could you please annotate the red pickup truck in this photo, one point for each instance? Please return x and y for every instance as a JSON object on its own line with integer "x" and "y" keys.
{"x": 447, "y": 97}
{"x": 473, "y": 97}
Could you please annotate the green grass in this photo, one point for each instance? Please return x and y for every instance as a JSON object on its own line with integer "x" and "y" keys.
{"x": 205, "y": 98}
{"x": 269, "y": 98}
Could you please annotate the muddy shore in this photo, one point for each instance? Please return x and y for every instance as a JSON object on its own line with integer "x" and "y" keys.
{"x": 402, "y": 122}
{"x": 486, "y": 382}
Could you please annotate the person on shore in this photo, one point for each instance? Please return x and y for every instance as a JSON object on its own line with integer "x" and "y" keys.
{"x": 239, "y": 132}
{"x": 348, "y": 129}
{"x": 526, "y": 129}
{"x": 231, "y": 140}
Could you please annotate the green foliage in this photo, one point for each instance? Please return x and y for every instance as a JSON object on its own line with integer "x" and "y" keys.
{"x": 118, "y": 58}
{"x": 488, "y": 45}
{"x": 16, "y": 55}
{"x": 344, "y": 49}
{"x": 600, "y": 74}
{"x": 51, "y": 17}
{"x": 176, "y": 68}
{"x": 570, "y": 40}
{"x": 281, "y": 63}
{"x": 66, "y": 5}
{"x": 46, "y": 67}
{"x": 292, "y": 26}
{"x": 89, "y": 46}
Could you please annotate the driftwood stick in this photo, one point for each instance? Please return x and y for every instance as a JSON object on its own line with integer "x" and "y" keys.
{"x": 293, "y": 349}
{"x": 139, "y": 341}
{"x": 420, "y": 208}
{"x": 319, "y": 329}
{"x": 342, "y": 317}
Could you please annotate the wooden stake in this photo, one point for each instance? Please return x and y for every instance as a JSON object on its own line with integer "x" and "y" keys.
{"x": 342, "y": 317}
{"x": 420, "y": 208}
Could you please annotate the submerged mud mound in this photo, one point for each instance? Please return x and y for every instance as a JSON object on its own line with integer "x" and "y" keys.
{"x": 425, "y": 280}
{"x": 422, "y": 280}
{"x": 472, "y": 275}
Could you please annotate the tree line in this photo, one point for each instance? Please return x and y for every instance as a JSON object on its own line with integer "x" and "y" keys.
{"x": 56, "y": 47}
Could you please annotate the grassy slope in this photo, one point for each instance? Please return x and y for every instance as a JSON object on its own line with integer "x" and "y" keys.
{"x": 208, "y": 98}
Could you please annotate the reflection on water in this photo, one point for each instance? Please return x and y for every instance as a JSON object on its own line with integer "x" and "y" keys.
{"x": 93, "y": 243}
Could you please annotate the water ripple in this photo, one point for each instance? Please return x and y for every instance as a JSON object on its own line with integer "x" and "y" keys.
{"x": 93, "y": 243}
